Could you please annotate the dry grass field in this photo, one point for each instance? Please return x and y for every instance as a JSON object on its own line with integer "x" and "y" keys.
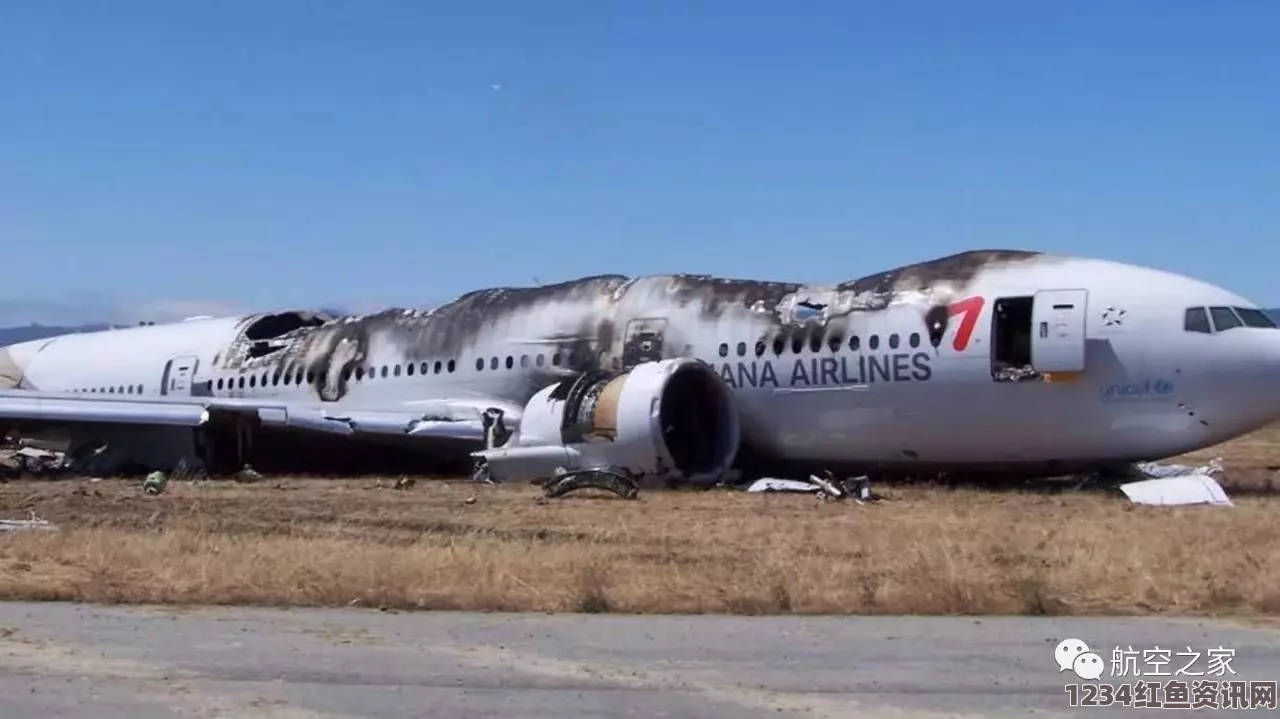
{"x": 455, "y": 545}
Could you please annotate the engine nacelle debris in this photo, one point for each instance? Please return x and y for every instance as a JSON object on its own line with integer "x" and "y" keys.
{"x": 672, "y": 419}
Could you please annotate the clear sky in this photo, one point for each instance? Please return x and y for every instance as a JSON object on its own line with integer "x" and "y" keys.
{"x": 303, "y": 153}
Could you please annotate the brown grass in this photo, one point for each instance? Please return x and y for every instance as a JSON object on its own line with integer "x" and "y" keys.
{"x": 923, "y": 550}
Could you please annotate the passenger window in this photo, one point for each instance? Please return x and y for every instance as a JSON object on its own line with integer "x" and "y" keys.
{"x": 760, "y": 348}
{"x": 854, "y": 343}
{"x": 219, "y": 383}
{"x": 555, "y": 359}
{"x": 914, "y": 340}
{"x": 1224, "y": 318}
{"x": 834, "y": 342}
{"x": 396, "y": 370}
{"x": 436, "y": 367}
{"x": 540, "y": 360}
{"x": 797, "y": 344}
{"x": 479, "y": 364}
{"x": 779, "y": 344}
{"x": 874, "y": 342}
{"x": 724, "y": 350}
{"x": 893, "y": 341}
{"x": 1254, "y": 317}
{"x": 253, "y": 380}
{"x": 451, "y": 365}
{"x": 409, "y": 368}
{"x": 524, "y": 360}
{"x": 384, "y": 370}
{"x": 510, "y": 361}
{"x": 742, "y": 349}
{"x": 815, "y": 342}
{"x": 1196, "y": 320}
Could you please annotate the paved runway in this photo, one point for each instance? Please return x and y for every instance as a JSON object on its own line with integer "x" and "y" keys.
{"x": 67, "y": 660}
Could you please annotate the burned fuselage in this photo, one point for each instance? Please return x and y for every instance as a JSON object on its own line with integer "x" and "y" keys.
{"x": 606, "y": 322}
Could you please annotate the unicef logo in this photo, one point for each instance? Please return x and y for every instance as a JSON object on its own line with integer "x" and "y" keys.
{"x": 1137, "y": 390}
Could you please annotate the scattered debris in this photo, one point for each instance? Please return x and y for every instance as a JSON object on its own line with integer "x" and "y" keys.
{"x": 827, "y": 488}
{"x": 38, "y": 461}
{"x": 565, "y": 482}
{"x": 1156, "y": 471}
{"x": 247, "y": 474}
{"x": 1177, "y": 484}
{"x": 404, "y": 483}
{"x": 1167, "y": 491}
{"x": 18, "y": 525}
{"x": 21, "y": 525}
{"x": 774, "y": 484}
{"x": 155, "y": 483}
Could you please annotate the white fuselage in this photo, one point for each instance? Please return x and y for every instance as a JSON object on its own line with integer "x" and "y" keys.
{"x": 1149, "y": 387}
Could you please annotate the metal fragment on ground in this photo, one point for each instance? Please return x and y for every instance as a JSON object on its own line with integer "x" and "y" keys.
{"x": 594, "y": 479}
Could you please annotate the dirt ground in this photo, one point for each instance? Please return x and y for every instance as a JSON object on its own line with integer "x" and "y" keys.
{"x": 458, "y": 545}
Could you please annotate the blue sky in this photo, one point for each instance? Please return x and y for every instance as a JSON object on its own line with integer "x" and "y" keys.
{"x": 363, "y": 153}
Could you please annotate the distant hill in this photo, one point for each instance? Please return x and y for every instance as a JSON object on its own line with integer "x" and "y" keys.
{"x": 13, "y": 335}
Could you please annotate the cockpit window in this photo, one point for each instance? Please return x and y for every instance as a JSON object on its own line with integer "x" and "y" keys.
{"x": 1197, "y": 320}
{"x": 1253, "y": 317}
{"x": 1224, "y": 319}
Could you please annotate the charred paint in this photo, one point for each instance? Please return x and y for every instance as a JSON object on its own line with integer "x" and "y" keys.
{"x": 959, "y": 268}
{"x": 596, "y": 323}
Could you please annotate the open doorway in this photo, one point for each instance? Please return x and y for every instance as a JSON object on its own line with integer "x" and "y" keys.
{"x": 1011, "y": 340}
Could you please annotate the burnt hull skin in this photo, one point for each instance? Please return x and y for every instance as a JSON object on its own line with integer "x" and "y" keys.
{"x": 868, "y": 376}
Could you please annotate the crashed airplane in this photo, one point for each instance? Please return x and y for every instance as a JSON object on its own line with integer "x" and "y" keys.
{"x": 984, "y": 361}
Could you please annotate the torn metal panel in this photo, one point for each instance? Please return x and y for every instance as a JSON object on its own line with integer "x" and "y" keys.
{"x": 26, "y": 525}
{"x": 1177, "y": 490}
{"x": 604, "y": 322}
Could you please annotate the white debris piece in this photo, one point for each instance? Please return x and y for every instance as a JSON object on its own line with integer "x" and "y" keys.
{"x": 830, "y": 488}
{"x": 774, "y": 484}
{"x": 1176, "y": 490}
{"x": 20, "y": 525}
{"x": 1156, "y": 471}
{"x": 1176, "y": 484}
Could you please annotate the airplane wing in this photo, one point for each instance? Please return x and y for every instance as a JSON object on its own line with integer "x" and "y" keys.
{"x": 459, "y": 419}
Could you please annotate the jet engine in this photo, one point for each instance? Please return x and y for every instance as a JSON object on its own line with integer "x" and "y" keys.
{"x": 671, "y": 419}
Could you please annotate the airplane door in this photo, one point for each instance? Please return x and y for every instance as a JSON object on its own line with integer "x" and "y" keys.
{"x": 644, "y": 341}
{"x": 1057, "y": 330}
{"x": 178, "y": 374}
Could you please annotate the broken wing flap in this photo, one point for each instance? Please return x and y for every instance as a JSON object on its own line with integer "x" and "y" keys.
{"x": 401, "y": 424}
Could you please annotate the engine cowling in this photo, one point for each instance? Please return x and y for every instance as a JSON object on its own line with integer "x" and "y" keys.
{"x": 670, "y": 419}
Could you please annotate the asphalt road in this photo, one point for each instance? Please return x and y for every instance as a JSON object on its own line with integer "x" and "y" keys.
{"x": 68, "y": 660}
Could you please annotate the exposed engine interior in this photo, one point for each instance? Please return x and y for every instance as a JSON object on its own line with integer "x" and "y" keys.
{"x": 673, "y": 420}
